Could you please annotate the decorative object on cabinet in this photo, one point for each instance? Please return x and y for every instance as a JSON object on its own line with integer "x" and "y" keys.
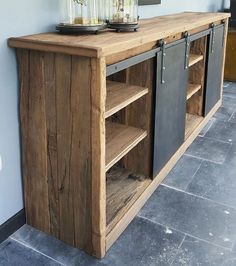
{"x": 80, "y": 16}
{"x": 124, "y": 15}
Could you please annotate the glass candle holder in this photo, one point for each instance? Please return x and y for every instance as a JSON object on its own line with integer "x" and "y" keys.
{"x": 80, "y": 12}
{"x": 124, "y": 11}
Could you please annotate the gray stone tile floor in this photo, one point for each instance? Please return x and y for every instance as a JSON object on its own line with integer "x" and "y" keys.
{"x": 189, "y": 220}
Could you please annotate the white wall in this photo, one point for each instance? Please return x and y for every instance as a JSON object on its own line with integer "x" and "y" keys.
{"x": 28, "y": 17}
{"x": 175, "y": 6}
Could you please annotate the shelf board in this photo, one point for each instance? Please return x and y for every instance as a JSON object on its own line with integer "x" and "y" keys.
{"x": 120, "y": 139}
{"x": 192, "y": 121}
{"x": 123, "y": 189}
{"x": 120, "y": 95}
{"x": 192, "y": 89}
{"x": 194, "y": 59}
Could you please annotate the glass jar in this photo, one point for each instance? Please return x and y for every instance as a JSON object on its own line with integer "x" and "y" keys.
{"x": 124, "y": 11}
{"x": 104, "y": 12}
{"x": 80, "y": 12}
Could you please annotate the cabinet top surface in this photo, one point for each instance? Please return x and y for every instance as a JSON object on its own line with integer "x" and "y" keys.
{"x": 109, "y": 42}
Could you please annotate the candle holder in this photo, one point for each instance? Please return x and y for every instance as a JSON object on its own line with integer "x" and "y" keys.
{"x": 78, "y": 16}
{"x": 124, "y": 15}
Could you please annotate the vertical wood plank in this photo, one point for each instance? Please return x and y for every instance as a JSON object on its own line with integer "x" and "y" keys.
{"x": 98, "y": 97}
{"x": 23, "y": 57}
{"x": 51, "y": 122}
{"x": 80, "y": 162}
{"x": 35, "y": 144}
{"x": 64, "y": 144}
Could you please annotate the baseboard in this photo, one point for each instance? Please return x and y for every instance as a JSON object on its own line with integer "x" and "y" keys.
{"x": 12, "y": 225}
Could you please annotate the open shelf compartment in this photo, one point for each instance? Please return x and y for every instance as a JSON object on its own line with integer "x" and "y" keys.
{"x": 120, "y": 139}
{"x": 123, "y": 189}
{"x": 195, "y": 90}
{"x": 120, "y": 95}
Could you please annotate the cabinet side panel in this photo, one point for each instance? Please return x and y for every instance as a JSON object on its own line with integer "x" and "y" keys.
{"x": 98, "y": 96}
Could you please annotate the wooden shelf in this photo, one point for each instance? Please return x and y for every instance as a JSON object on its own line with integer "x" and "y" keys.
{"x": 123, "y": 189}
{"x": 192, "y": 121}
{"x": 194, "y": 59}
{"x": 119, "y": 95}
{"x": 192, "y": 89}
{"x": 120, "y": 139}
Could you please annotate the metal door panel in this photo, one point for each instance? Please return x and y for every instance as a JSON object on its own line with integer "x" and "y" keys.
{"x": 170, "y": 106}
{"x": 214, "y": 69}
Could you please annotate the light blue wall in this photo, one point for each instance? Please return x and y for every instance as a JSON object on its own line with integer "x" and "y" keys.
{"x": 28, "y": 17}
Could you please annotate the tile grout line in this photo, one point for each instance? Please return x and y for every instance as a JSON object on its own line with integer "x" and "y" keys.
{"x": 222, "y": 141}
{"x": 184, "y": 233}
{"x": 211, "y": 123}
{"x": 29, "y": 247}
{"x": 177, "y": 252}
{"x": 191, "y": 179}
{"x": 234, "y": 112}
{"x": 203, "y": 158}
{"x": 201, "y": 197}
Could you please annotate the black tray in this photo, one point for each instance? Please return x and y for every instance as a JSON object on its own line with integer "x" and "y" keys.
{"x": 123, "y": 26}
{"x": 76, "y": 29}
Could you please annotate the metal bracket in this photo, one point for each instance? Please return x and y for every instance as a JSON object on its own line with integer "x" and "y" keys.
{"x": 162, "y": 44}
{"x": 187, "y": 49}
{"x": 212, "y": 37}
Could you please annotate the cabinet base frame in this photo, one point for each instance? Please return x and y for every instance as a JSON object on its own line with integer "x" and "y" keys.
{"x": 133, "y": 211}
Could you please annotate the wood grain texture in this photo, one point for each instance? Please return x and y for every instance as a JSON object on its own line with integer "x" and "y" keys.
{"x": 33, "y": 118}
{"x": 59, "y": 149}
{"x": 123, "y": 189}
{"x": 108, "y": 42}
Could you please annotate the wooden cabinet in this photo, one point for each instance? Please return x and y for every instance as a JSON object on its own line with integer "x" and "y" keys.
{"x": 214, "y": 67}
{"x": 104, "y": 118}
{"x": 170, "y": 103}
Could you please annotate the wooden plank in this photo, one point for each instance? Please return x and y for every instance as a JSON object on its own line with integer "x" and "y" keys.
{"x": 80, "y": 161}
{"x": 51, "y": 124}
{"x": 109, "y": 42}
{"x": 123, "y": 189}
{"x": 192, "y": 121}
{"x": 119, "y": 95}
{"x": 192, "y": 89}
{"x": 98, "y": 97}
{"x": 194, "y": 59}
{"x": 64, "y": 133}
{"x": 23, "y": 57}
{"x": 136, "y": 207}
{"x": 34, "y": 140}
{"x": 120, "y": 139}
